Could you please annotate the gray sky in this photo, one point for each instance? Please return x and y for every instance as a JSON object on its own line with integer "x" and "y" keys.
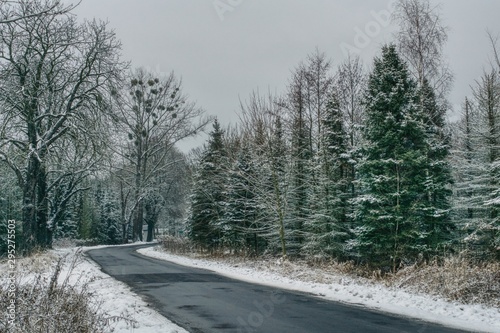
{"x": 225, "y": 49}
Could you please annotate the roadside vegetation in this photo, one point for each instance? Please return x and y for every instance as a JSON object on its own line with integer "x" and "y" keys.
{"x": 455, "y": 278}
{"x": 48, "y": 298}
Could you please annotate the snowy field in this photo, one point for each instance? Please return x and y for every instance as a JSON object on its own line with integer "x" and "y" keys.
{"x": 350, "y": 290}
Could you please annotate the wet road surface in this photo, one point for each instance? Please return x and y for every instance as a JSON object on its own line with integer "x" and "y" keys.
{"x": 203, "y": 301}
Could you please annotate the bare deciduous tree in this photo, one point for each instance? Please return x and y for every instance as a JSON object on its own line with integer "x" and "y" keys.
{"x": 54, "y": 75}
{"x": 350, "y": 85}
{"x": 10, "y": 14}
{"x": 421, "y": 39}
{"x": 154, "y": 114}
{"x": 496, "y": 52}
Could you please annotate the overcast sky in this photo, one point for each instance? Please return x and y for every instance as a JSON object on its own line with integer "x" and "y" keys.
{"x": 225, "y": 49}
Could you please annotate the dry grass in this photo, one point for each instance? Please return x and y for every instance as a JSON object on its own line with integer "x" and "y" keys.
{"x": 176, "y": 245}
{"x": 45, "y": 304}
{"x": 456, "y": 279}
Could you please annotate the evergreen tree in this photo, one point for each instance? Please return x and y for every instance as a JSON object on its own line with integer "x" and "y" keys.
{"x": 393, "y": 168}
{"x": 242, "y": 215}
{"x": 105, "y": 218}
{"x": 301, "y": 154}
{"x": 276, "y": 201}
{"x": 110, "y": 220}
{"x": 477, "y": 170}
{"x": 328, "y": 227}
{"x": 487, "y": 96}
{"x": 437, "y": 226}
{"x": 209, "y": 193}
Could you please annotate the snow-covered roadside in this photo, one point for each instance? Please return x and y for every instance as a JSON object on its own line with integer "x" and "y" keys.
{"x": 342, "y": 288}
{"x": 125, "y": 311}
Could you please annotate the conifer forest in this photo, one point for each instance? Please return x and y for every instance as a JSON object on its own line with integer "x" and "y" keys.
{"x": 351, "y": 161}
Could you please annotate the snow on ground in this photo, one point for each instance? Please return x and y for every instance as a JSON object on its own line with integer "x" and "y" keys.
{"x": 125, "y": 310}
{"x": 347, "y": 289}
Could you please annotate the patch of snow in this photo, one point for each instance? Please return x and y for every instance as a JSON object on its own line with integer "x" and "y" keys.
{"x": 124, "y": 310}
{"x": 343, "y": 288}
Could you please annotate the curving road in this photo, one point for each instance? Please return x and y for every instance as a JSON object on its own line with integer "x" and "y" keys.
{"x": 203, "y": 301}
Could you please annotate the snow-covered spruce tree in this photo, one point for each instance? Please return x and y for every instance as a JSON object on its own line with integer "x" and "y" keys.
{"x": 466, "y": 169}
{"x": 276, "y": 200}
{"x": 328, "y": 227}
{"x": 110, "y": 219}
{"x": 475, "y": 168}
{"x": 262, "y": 130}
{"x": 483, "y": 223}
{"x": 242, "y": 223}
{"x": 104, "y": 226}
{"x": 388, "y": 217}
{"x": 437, "y": 225}
{"x": 208, "y": 198}
{"x": 301, "y": 155}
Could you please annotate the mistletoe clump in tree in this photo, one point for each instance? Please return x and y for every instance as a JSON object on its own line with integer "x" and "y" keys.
{"x": 156, "y": 114}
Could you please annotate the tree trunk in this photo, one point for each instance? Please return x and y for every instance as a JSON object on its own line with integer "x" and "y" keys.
{"x": 44, "y": 231}
{"x": 29, "y": 209}
{"x": 151, "y": 232}
{"x": 123, "y": 206}
{"x": 124, "y": 233}
{"x": 138, "y": 221}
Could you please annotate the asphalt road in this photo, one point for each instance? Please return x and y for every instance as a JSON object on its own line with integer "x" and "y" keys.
{"x": 203, "y": 301}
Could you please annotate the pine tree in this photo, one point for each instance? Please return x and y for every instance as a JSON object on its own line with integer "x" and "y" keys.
{"x": 209, "y": 193}
{"x": 392, "y": 171}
